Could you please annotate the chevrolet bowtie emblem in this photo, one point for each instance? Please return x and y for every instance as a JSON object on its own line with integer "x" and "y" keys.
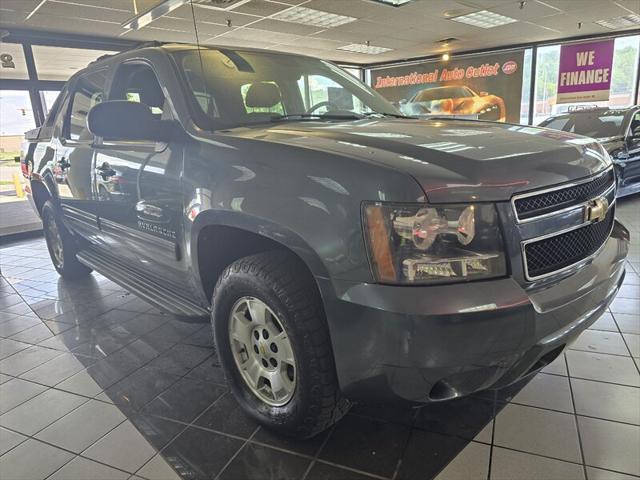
{"x": 596, "y": 210}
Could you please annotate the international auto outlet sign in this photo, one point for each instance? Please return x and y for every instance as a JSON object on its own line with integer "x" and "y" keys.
{"x": 585, "y": 72}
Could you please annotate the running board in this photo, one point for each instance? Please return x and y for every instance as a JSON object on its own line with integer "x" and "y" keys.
{"x": 149, "y": 290}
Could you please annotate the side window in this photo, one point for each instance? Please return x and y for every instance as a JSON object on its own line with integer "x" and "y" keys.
{"x": 138, "y": 83}
{"x": 89, "y": 91}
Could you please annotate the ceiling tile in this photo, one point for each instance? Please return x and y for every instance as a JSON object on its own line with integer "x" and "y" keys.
{"x": 66, "y": 10}
{"x": 531, "y": 10}
{"x": 278, "y": 26}
{"x": 262, "y": 8}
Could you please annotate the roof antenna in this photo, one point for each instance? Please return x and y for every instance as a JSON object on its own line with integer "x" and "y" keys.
{"x": 204, "y": 81}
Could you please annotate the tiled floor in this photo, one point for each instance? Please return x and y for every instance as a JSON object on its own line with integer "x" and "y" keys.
{"x": 96, "y": 384}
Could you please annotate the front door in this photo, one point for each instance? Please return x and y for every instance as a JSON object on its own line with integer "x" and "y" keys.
{"x": 138, "y": 188}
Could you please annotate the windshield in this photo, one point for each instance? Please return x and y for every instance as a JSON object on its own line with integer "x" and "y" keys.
{"x": 608, "y": 123}
{"x": 243, "y": 87}
{"x": 442, "y": 92}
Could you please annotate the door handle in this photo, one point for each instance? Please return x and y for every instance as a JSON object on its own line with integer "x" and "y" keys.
{"x": 150, "y": 212}
{"x": 105, "y": 170}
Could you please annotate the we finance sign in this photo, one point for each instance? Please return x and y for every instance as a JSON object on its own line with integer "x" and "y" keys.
{"x": 585, "y": 72}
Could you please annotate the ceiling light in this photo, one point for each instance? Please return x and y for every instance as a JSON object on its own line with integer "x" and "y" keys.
{"x": 145, "y": 18}
{"x": 393, "y": 3}
{"x": 364, "y": 48}
{"x": 625, "y": 21}
{"x": 445, "y": 57}
{"x": 484, "y": 19}
{"x": 310, "y": 16}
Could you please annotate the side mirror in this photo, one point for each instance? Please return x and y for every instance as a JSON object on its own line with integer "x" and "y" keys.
{"x": 124, "y": 120}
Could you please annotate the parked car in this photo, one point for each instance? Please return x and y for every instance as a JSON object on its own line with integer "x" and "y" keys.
{"x": 341, "y": 253}
{"x": 617, "y": 130}
{"x": 455, "y": 100}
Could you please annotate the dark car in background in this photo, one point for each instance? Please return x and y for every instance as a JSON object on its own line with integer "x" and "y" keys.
{"x": 617, "y": 130}
{"x": 459, "y": 100}
{"x": 341, "y": 251}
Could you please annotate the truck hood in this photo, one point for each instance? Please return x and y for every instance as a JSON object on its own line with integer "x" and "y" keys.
{"x": 452, "y": 160}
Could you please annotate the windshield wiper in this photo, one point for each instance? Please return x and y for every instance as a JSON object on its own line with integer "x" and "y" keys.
{"x": 319, "y": 116}
{"x": 384, "y": 114}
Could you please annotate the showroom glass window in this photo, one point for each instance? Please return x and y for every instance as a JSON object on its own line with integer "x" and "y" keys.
{"x": 88, "y": 91}
{"x": 624, "y": 76}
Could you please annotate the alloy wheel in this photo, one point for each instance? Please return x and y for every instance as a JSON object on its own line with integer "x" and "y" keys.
{"x": 262, "y": 351}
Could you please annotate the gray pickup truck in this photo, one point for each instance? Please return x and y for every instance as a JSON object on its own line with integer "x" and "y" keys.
{"x": 342, "y": 251}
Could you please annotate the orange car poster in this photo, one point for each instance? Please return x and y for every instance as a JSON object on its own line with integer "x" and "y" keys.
{"x": 487, "y": 87}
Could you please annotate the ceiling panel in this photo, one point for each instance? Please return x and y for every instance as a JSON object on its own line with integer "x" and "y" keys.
{"x": 411, "y": 30}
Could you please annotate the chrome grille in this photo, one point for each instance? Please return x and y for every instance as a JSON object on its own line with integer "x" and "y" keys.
{"x": 565, "y": 249}
{"x": 528, "y": 206}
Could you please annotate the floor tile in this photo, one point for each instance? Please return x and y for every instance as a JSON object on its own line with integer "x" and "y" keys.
{"x": 605, "y": 322}
{"x": 610, "y": 445}
{"x": 366, "y": 444}
{"x": 538, "y": 431}
{"x": 546, "y": 391}
{"x": 192, "y": 454}
{"x": 600, "y": 342}
{"x": 133, "y": 392}
{"x": 157, "y": 431}
{"x": 32, "y": 460}
{"x": 226, "y": 416}
{"x": 9, "y": 346}
{"x": 511, "y": 465}
{"x": 472, "y": 463}
{"x": 41, "y": 411}
{"x": 124, "y": 448}
{"x": 172, "y": 404}
{"x": 323, "y": 471}
{"x": 607, "y": 401}
{"x": 308, "y": 446}
{"x": 633, "y": 342}
{"x": 158, "y": 469}
{"x": 16, "y": 391}
{"x": 625, "y": 305}
{"x": 81, "y": 383}
{"x": 628, "y": 323}
{"x": 599, "y": 474}
{"x": 606, "y": 368}
{"x": 557, "y": 367}
{"x": 35, "y": 334}
{"x": 427, "y": 453}
{"x": 255, "y": 462}
{"x": 9, "y": 439}
{"x": 464, "y": 417}
{"x": 55, "y": 371}
{"x": 82, "y": 427}
{"x": 82, "y": 469}
{"x": 27, "y": 359}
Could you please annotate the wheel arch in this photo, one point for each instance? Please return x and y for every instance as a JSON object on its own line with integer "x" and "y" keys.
{"x": 218, "y": 238}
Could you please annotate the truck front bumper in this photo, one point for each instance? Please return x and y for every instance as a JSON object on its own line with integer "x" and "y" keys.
{"x": 433, "y": 343}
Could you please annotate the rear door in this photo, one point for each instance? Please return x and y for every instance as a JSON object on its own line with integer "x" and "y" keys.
{"x": 137, "y": 186}
{"x": 74, "y": 154}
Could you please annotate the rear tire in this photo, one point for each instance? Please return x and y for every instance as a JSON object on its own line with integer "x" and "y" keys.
{"x": 61, "y": 245}
{"x": 310, "y": 400}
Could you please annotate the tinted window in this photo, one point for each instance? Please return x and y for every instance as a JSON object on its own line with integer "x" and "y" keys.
{"x": 138, "y": 83}
{"x": 89, "y": 91}
{"x": 608, "y": 123}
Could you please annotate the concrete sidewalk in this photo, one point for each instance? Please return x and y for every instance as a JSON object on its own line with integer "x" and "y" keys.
{"x": 18, "y": 217}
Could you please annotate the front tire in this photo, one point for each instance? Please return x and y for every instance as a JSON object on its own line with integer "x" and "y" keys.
{"x": 273, "y": 341}
{"x": 61, "y": 245}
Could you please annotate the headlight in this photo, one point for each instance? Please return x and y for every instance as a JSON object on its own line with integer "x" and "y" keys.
{"x": 417, "y": 244}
